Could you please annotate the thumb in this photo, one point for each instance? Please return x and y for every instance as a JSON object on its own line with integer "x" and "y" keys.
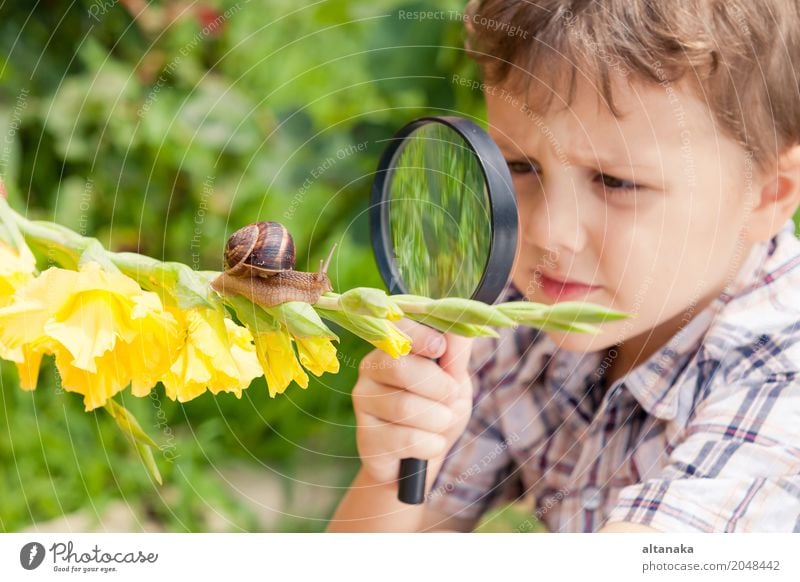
{"x": 455, "y": 360}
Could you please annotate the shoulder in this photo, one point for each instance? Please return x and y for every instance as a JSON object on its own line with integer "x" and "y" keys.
{"x": 756, "y": 334}
{"x": 746, "y": 374}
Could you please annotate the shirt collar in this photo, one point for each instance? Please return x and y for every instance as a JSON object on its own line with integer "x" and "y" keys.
{"x": 653, "y": 382}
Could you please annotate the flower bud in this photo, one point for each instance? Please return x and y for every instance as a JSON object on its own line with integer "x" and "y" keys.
{"x": 317, "y": 355}
{"x": 468, "y": 311}
{"x": 369, "y": 301}
{"x": 456, "y": 327}
{"x": 301, "y": 320}
{"x": 580, "y": 311}
{"x": 128, "y": 423}
{"x": 555, "y": 325}
{"x": 253, "y": 316}
{"x": 379, "y": 332}
{"x": 523, "y": 311}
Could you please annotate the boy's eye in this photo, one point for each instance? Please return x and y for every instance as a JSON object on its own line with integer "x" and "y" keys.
{"x": 521, "y": 167}
{"x": 616, "y": 183}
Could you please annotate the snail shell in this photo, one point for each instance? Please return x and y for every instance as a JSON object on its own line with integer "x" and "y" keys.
{"x": 261, "y": 249}
{"x": 259, "y": 265}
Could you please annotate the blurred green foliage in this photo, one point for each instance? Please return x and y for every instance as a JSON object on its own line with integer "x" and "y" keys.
{"x": 162, "y": 127}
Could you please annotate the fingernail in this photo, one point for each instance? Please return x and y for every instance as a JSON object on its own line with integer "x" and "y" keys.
{"x": 435, "y": 344}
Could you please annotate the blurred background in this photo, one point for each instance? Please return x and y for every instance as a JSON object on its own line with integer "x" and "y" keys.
{"x": 161, "y": 127}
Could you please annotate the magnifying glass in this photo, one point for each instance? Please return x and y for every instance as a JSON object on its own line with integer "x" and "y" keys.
{"x": 443, "y": 221}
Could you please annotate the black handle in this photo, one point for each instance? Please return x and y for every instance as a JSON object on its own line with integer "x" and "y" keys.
{"x": 412, "y": 480}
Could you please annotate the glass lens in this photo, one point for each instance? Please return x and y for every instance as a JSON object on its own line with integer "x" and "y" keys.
{"x": 439, "y": 214}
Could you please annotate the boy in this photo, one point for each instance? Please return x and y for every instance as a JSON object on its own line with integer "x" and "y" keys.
{"x": 654, "y": 150}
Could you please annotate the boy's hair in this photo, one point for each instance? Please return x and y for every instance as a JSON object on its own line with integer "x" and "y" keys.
{"x": 737, "y": 55}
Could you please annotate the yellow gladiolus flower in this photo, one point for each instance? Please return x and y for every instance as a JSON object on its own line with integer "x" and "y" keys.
{"x": 16, "y": 269}
{"x": 317, "y": 355}
{"x": 103, "y": 329}
{"x": 277, "y": 357}
{"x": 218, "y": 355}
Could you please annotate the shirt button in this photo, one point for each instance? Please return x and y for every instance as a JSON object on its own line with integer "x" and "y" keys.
{"x": 591, "y": 497}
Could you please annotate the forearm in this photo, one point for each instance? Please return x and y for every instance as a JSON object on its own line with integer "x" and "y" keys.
{"x": 370, "y": 506}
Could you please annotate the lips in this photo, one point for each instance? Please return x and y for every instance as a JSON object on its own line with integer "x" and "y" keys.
{"x": 558, "y": 288}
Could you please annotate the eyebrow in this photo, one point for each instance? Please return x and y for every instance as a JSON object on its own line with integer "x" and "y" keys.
{"x": 586, "y": 159}
{"x": 597, "y": 159}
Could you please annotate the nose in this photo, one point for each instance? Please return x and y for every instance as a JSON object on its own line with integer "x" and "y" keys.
{"x": 553, "y": 218}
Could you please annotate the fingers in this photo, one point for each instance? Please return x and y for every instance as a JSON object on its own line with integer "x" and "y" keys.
{"x": 425, "y": 341}
{"x": 412, "y": 406}
{"x": 455, "y": 359}
{"x": 383, "y": 441}
{"x": 454, "y": 350}
{"x": 401, "y": 407}
{"x": 414, "y": 373}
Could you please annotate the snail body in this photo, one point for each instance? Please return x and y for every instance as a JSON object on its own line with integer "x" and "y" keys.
{"x": 259, "y": 265}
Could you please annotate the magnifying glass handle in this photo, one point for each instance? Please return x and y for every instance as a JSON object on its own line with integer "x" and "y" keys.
{"x": 411, "y": 483}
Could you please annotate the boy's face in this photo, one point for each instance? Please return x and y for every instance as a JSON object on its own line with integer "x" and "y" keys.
{"x": 648, "y": 209}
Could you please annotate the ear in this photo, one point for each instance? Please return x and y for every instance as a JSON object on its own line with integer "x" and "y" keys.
{"x": 778, "y": 198}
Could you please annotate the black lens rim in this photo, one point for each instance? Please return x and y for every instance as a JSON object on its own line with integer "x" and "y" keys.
{"x": 502, "y": 206}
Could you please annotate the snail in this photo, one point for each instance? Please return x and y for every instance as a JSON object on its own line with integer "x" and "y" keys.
{"x": 259, "y": 265}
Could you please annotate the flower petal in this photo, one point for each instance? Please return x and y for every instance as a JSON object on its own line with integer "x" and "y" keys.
{"x": 277, "y": 357}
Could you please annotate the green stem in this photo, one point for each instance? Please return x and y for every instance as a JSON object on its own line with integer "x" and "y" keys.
{"x": 329, "y": 301}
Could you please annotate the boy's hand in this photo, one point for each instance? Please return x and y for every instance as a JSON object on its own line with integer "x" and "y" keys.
{"x": 412, "y": 406}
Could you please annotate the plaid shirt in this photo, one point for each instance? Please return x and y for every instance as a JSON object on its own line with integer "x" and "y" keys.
{"x": 703, "y": 436}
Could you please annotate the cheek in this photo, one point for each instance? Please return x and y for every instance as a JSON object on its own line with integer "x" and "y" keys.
{"x": 667, "y": 258}
{"x": 522, "y": 278}
{"x": 639, "y": 260}
{"x": 528, "y": 255}
{"x": 625, "y": 248}
{"x": 526, "y": 207}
